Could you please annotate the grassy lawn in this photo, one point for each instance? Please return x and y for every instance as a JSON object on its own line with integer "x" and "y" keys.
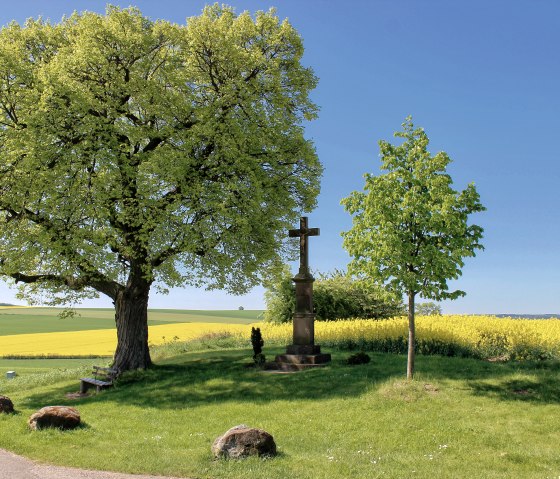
{"x": 24, "y": 367}
{"x": 46, "y": 320}
{"x": 460, "y": 418}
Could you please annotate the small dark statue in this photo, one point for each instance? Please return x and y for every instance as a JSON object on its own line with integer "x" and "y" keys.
{"x": 258, "y": 343}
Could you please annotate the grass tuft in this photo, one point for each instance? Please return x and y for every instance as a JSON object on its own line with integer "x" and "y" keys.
{"x": 408, "y": 390}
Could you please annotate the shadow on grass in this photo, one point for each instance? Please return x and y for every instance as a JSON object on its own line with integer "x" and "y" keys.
{"x": 222, "y": 376}
{"x": 539, "y": 384}
{"x": 528, "y": 381}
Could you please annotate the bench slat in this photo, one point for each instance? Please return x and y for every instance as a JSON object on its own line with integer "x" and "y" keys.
{"x": 103, "y": 377}
{"x": 97, "y": 382}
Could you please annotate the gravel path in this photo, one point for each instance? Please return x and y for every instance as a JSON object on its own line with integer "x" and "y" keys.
{"x": 17, "y": 467}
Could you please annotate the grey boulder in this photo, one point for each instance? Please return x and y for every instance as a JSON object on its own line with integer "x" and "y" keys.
{"x": 242, "y": 441}
{"x": 62, "y": 417}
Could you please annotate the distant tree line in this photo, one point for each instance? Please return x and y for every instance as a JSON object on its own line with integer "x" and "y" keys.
{"x": 428, "y": 309}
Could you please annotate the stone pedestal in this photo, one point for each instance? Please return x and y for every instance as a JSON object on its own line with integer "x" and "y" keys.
{"x": 299, "y": 362}
{"x": 304, "y": 329}
{"x": 303, "y": 353}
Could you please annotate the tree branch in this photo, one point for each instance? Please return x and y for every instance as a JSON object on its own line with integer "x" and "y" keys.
{"x": 109, "y": 288}
{"x": 91, "y": 276}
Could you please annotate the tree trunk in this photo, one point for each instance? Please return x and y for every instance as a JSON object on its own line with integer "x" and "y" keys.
{"x": 131, "y": 316}
{"x": 411, "y": 336}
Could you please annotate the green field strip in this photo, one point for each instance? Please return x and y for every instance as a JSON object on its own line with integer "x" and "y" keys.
{"x": 37, "y": 365}
{"x": 41, "y": 323}
{"x": 194, "y": 316}
{"x": 101, "y": 313}
{"x": 241, "y": 317}
{"x": 46, "y": 320}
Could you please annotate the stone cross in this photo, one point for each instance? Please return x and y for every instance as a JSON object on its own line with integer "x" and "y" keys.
{"x": 303, "y": 232}
{"x": 303, "y": 353}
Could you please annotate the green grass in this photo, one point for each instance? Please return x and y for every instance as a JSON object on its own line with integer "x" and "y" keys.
{"x": 460, "y": 418}
{"x": 46, "y": 320}
{"x": 24, "y": 367}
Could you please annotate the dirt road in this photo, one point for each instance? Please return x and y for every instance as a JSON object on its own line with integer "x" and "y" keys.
{"x": 17, "y": 467}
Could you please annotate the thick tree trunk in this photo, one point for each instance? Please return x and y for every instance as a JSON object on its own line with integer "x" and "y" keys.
{"x": 411, "y": 336}
{"x": 131, "y": 316}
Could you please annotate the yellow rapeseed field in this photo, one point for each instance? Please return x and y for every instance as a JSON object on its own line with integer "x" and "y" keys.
{"x": 476, "y": 335}
{"x": 103, "y": 342}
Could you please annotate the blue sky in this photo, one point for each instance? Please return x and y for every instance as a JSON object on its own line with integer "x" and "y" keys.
{"x": 482, "y": 79}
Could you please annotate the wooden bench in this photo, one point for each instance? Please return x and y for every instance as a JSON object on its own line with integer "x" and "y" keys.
{"x": 102, "y": 378}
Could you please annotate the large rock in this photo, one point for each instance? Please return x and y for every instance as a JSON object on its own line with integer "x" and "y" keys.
{"x": 6, "y": 405}
{"x": 62, "y": 417}
{"x": 243, "y": 441}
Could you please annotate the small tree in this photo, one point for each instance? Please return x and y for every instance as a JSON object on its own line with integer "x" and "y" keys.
{"x": 410, "y": 227}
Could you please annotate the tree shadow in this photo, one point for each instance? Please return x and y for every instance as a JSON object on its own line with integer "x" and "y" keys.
{"x": 537, "y": 385}
{"x": 528, "y": 381}
{"x": 516, "y": 390}
{"x": 223, "y": 376}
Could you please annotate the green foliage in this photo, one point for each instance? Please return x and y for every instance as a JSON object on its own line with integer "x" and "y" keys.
{"x": 410, "y": 227}
{"x": 428, "y": 309}
{"x": 136, "y": 153}
{"x": 280, "y": 296}
{"x": 525, "y": 352}
{"x": 358, "y": 358}
{"x": 335, "y": 296}
{"x": 151, "y": 151}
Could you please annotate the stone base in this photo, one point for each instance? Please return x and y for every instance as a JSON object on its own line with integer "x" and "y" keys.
{"x": 303, "y": 349}
{"x": 298, "y": 358}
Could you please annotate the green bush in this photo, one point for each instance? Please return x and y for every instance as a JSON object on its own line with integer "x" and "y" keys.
{"x": 358, "y": 358}
{"x": 280, "y": 297}
{"x": 524, "y": 352}
{"x": 335, "y": 296}
{"x": 493, "y": 345}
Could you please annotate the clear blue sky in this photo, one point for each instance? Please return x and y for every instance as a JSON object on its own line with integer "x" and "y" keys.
{"x": 482, "y": 78}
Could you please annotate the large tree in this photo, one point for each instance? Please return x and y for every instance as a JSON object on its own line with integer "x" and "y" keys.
{"x": 410, "y": 227}
{"x": 136, "y": 153}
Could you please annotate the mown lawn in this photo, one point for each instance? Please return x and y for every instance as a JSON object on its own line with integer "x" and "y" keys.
{"x": 460, "y": 418}
{"x": 25, "y": 367}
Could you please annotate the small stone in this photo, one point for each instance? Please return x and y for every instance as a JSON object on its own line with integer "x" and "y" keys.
{"x": 62, "y": 417}
{"x": 6, "y": 405}
{"x": 242, "y": 441}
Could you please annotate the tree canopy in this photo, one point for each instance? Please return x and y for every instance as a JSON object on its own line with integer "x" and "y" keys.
{"x": 410, "y": 228}
{"x": 136, "y": 152}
